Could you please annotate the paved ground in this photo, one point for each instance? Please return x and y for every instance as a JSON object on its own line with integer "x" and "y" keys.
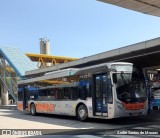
{"x": 64, "y": 125}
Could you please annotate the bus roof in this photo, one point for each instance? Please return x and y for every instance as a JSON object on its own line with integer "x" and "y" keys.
{"x": 71, "y": 72}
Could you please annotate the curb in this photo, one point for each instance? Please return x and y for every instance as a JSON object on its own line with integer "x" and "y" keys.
{"x": 8, "y": 107}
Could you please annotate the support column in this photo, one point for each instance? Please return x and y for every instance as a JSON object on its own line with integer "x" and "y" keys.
{"x": 4, "y": 95}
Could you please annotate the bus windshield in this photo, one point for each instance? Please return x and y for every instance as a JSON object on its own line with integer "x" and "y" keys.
{"x": 130, "y": 87}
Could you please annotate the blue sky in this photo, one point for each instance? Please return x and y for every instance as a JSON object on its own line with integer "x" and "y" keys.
{"x": 76, "y": 28}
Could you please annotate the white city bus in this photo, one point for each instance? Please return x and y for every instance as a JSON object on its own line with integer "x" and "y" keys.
{"x": 109, "y": 90}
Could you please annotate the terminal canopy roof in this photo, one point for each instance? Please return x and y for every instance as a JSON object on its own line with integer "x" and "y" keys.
{"x": 17, "y": 60}
{"x": 151, "y": 7}
{"x": 49, "y": 59}
{"x": 144, "y": 54}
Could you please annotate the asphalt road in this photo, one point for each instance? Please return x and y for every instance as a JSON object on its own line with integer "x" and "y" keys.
{"x": 64, "y": 126}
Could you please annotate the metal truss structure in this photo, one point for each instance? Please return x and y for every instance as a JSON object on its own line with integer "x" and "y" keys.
{"x": 42, "y": 59}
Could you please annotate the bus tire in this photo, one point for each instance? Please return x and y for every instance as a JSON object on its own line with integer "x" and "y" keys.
{"x": 82, "y": 113}
{"x": 33, "y": 109}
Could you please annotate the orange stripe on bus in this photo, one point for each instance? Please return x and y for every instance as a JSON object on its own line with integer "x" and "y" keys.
{"x": 20, "y": 106}
{"x": 44, "y": 107}
{"x": 134, "y": 106}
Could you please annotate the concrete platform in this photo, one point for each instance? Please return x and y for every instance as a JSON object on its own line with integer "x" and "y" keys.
{"x": 13, "y": 107}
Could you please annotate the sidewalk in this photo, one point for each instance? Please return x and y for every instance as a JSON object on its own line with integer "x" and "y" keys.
{"x": 13, "y": 107}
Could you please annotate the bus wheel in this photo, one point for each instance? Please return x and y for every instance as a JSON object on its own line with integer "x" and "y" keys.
{"x": 82, "y": 113}
{"x": 33, "y": 109}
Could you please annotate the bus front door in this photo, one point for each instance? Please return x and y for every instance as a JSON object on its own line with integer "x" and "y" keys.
{"x": 100, "y": 95}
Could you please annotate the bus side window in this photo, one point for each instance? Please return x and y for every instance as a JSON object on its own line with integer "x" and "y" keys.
{"x": 82, "y": 92}
{"x": 109, "y": 91}
{"x": 27, "y": 92}
{"x": 20, "y": 95}
{"x": 74, "y": 94}
{"x": 59, "y": 92}
{"x": 33, "y": 93}
{"x": 36, "y": 94}
{"x": 56, "y": 93}
{"x": 51, "y": 95}
{"x": 42, "y": 94}
{"x": 67, "y": 93}
{"x": 88, "y": 87}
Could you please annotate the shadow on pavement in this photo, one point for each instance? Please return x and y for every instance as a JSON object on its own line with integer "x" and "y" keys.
{"x": 121, "y": 121}
{"x": 91, "y": 127}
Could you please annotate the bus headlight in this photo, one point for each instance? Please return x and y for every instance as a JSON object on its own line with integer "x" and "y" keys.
{"x": 120, "y": 105}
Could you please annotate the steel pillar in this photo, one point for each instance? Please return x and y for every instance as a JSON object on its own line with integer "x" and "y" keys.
{"x": 4, "y": 95}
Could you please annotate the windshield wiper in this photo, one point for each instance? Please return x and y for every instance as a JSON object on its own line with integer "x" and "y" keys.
{"x": 111, "y": 69}
{"x": 124, "y": 78}
{"x": 124, "y": 81}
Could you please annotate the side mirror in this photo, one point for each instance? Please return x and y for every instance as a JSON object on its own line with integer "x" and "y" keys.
{"x": 114, "y": 78}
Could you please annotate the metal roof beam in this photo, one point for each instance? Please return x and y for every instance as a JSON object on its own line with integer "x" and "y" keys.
{"x": 150, "y": 7}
